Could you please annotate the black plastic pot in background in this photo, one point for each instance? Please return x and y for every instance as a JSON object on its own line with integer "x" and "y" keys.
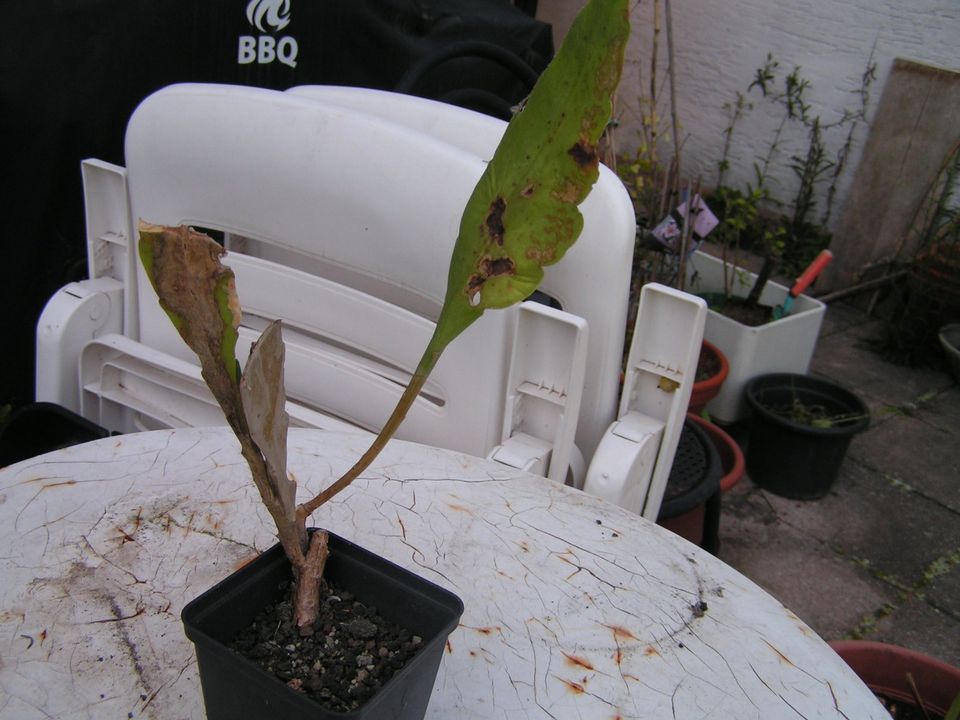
{"x": 235, "y": 687}
{"x": 694, "y": 480}
{"x": 43, "y": 427}
{"x": 791, "y": 458}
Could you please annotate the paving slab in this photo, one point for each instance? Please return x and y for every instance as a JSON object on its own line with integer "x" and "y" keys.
{"x": 827, "y": 592}
{"x": 841, "y": 317}
{"x": 919, "y": 626}
{"x": 874, "y": 520}
{"x": 943, "y": 409}
{"x": 845, "y": 359}
{"x": 880, "y": 554}
{"x": 943, "y": 591}
{"x": 918, "y": 449}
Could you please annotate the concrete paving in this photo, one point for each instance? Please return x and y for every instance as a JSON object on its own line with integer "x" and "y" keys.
{"x": 878, "y": 558}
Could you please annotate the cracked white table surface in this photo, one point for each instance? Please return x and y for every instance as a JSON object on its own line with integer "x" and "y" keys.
{"x": 575, "y": 608}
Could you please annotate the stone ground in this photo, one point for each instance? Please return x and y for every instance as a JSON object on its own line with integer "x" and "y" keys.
{"x": 878, "y": 558}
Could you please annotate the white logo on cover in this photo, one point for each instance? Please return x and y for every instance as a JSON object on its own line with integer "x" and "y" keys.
{"x": 276, "y": 13}
{"x": 269, "y": 17}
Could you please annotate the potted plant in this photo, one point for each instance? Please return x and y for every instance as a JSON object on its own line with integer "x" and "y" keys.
{"x": 712, "y": 370}
{"x": 522, "y": 215}
{"x": 799, "y": 432}
{"x": 782, "y": 345}
{"x": 675, "y": 220}
{"x": 905, "y": 680}
{"x": 929, "y": 298}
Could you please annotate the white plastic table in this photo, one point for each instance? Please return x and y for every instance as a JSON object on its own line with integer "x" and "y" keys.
{"x": 574, "y": 607}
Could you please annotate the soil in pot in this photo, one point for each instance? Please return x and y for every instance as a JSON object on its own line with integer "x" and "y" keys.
{"x": 708, "y": 365}
{"x": 905, "y": 711}
{"x": 352, "y": 653}
{"x": 815, "y": 414}
{"x": 235, "y": 686}
{"x": 712, "y": 371}
{"x": 739, "y": 309}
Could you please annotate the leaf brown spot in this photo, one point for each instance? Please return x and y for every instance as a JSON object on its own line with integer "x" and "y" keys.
{"x": 584, "y": 154}
{"x": 569, "y": 193}
{"x": 542, "y": 256}
{"x": 529, "y": 190}
{"x": 494, "y": 221}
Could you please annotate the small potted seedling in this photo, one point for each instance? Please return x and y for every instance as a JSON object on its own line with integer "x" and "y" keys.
{"x": 800, "y": 429}
{"x": 521, "y": 216}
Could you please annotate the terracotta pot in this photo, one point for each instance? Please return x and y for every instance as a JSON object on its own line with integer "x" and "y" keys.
{"x": 705, "y": 390}
{"x": 883, "y": 668}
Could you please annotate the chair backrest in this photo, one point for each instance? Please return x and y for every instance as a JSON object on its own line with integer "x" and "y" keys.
{"x": 341, "y": 221}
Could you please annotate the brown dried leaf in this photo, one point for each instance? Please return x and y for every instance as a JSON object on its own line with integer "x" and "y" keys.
{"x": 264, "y": 399}
{"x": 199, "y": 295}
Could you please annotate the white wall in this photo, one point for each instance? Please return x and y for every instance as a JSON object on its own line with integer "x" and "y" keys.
{"x": 720, "y": 44}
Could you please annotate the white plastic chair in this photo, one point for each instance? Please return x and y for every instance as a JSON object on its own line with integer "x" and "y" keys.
{"x": 339, "y": 208}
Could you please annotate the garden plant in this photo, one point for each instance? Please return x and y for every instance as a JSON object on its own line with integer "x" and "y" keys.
{"x": 521, "y": 216}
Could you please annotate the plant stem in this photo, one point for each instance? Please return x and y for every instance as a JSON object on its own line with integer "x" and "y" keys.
{"x": 390, "y": 427}
{"x": 306, "y": 603}
{"x": 671, "y": 74}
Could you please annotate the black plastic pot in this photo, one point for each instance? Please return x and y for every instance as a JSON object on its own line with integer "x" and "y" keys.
{"x": 791, "y": 458}
{"x": 694, "y": 479}
{"x": 235, "y": 687}
{"x": 43, "y": 427}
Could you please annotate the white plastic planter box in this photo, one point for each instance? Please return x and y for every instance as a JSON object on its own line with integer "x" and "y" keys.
{"x": 784, "y": 345}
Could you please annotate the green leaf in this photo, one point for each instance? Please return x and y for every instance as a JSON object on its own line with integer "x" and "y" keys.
{"x": 954, "y": 712}
{"x": 523, "y": 212}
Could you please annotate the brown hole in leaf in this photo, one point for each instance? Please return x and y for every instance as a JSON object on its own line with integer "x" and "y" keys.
{"x": 489, "y": 267}
{"x": 494, "y": 221}
{"x": 492, "y": 267}
{"x": 584, "y": 154}
{"x": 528, "y": 191}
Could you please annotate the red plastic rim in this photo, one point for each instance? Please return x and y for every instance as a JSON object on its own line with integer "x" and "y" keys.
{"x": 705, "y": 390}
{"x": 731, "y": 456}
{"x": 883, "y": 668}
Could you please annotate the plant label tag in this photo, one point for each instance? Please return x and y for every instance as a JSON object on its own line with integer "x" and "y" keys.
{"x": 667, "y": 232}
{"x": 704, "y": 221}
